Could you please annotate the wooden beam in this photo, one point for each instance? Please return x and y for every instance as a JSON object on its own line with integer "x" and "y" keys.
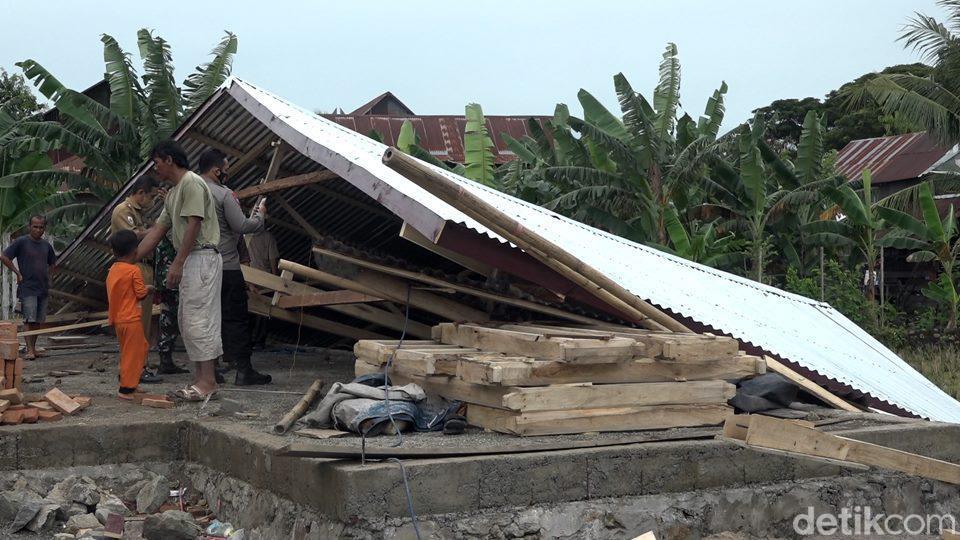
{"x": 768, "y": 432}
{"x": 78, "y": 299}
{"x": 366, "y": 313}
{"x": 472, "y": 291}
{"x": 75, "y": 315}
{"x": 213, "y": 143}
{"x": 99, "y": 246}
{"x": 261, "y": 306}
{"x": 390, "y": 288}
{"x": 286, "y": 183}
{"x": 808, "y": 385}
{"x": 326, "y": 298}
{"x": 408, "y": 233}
{"x": 296, "y": 216}
{"x": 252, "y": 154}
{"x": 76, "y": 326}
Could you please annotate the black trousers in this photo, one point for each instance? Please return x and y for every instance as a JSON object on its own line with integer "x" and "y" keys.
{"x": 235, "y": 330}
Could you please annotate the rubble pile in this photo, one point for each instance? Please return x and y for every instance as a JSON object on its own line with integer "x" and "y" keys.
{"x": 136, "y": 505}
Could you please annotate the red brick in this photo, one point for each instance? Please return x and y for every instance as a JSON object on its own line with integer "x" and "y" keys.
{"x": 61, "y": 401}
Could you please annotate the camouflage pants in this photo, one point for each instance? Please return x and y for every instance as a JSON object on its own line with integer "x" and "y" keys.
{"x": 169, "y": 326}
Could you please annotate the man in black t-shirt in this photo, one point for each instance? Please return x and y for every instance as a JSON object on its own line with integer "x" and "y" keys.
{"x": 35, "y": 257}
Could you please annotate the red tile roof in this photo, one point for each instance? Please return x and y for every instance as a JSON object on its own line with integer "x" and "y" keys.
{"x": 442, "y": 136}
{"x": 898, "y": 157}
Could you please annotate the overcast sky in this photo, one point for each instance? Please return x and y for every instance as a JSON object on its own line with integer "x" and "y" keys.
{"x": 517, "y": 57}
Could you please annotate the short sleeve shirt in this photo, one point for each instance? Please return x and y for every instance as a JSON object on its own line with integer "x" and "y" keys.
{"x": 125, "y": 289}
{"x": 34, "y": 258}
{"x": 127, "y": 216}
{"x": 191, "y": 198}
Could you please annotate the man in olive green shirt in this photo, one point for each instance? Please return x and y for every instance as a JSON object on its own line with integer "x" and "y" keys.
{"x": 190, "y": 214}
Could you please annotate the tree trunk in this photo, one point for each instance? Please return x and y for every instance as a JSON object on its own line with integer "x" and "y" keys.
{"x": 656, "y": 188}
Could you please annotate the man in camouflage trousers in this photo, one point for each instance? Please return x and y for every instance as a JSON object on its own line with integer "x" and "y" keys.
{"x": 169, "y": 330}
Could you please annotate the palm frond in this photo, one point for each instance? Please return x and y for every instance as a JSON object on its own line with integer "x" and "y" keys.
{"x": 926, "y": 36}
{"x": 666, "y": 97}
{"x": 202, "y": 83}
{"x": 67, "y": 102}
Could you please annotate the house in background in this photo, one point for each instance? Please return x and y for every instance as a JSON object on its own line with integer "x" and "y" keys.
{"x": 441, "y": 135}
{"x": 896, "y": 162}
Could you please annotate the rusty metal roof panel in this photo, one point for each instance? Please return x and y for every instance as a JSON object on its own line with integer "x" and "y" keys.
{"x": 898, "y": 157}
{"x": 442, "y": 136}
{"x": 805, "y": 332}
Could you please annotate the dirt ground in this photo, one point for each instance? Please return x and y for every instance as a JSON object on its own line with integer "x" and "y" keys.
{"x": 293, "y": 371}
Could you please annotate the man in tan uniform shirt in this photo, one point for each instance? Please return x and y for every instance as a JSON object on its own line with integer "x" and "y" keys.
{"x": 128, "y": 216}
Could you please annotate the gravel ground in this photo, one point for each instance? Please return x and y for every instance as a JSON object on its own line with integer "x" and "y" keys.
{"x": 293, "y": 371}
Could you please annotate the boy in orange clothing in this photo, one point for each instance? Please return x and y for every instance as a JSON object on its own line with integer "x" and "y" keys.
{"x": 125, "y": 290}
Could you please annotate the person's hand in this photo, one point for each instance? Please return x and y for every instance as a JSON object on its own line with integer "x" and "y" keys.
{"x": 19, "y": 278}
{"x": 262, "y": 208}
{"x": 162, "y": 193}
{"x": 174, "y": 274}
{"x": 151, "y": 289}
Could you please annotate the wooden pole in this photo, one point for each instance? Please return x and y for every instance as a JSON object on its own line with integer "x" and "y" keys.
{"x": 823, "y": 293}
{"x": 299, "y": 409}
{"x": 538, "y": 247}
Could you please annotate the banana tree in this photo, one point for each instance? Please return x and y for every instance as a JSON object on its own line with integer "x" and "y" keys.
{"x": 478, "y": 147}
{"x": 112, "y": 140}
{"x": 856, "y": 223}
{"x": 699, "y": 242}
{"x": 935, "y": 240}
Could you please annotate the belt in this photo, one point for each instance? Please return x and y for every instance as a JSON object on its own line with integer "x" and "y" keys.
{"x": 212, "y": 247}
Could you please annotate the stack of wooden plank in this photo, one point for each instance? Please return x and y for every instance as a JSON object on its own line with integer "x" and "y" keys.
{"x": 10, "y": 356}
{"x": 537, "y": 380}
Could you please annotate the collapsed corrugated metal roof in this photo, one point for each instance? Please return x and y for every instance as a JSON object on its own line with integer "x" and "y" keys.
{"x": 889, "y": 159}
{"x": 806, "y": 332}
{"x": 809, "y": 335}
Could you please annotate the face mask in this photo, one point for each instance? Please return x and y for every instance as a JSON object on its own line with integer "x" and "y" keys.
{"x": 222, "y": 176}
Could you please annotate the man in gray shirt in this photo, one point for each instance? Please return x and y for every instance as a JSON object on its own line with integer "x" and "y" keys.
{"x": 233, "y": 293}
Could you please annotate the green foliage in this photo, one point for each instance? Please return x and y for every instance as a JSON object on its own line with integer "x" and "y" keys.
{"x": 478, "y": 147}
{"x": 112, "y": 140}
{"x": 15, "y": 96}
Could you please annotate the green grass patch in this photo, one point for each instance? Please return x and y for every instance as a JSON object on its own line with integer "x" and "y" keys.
{"x": 939, "y": 363}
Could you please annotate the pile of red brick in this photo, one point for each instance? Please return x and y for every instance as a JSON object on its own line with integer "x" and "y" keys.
{"x": 19, "y": 408}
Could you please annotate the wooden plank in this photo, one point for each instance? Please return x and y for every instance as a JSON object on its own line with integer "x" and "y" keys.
{"x": 808, "y": 385}
{"x": 296, "y": 216}
{"x": 394, "y": 321}
{"x": 326, "y": 298}
{"x": 537, "y": 346}
{"x": 605, "y": 419}
{"x": 66, "y": 328}
{"x": 286, "y": 183}
{"x": 410, "y": 234}
{"x": 783, "y": 453}
{"x": 391, "y": 289}
{"x": 779, "y": 434}
{"x": 472, "y": 291}
{"x": 542, "y": 372}
{"x": 590, "y": 396}
{"x": 259, "y": 305}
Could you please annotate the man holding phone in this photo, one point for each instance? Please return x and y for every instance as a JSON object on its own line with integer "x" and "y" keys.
{"x": 234, "y": 224}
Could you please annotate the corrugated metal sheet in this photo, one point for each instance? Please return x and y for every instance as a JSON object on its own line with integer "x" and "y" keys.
{"x": 806, "y": 332}
{"x": 442, "y": 136}
{"x": 898, "y": 157}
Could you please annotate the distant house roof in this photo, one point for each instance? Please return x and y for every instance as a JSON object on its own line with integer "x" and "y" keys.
{"x": 386, "y": 103}
{"x": 898, "y": 157}
{"x": 442, "y": 136}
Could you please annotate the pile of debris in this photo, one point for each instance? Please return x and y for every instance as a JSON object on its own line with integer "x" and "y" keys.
{"x": 76, "y": 507}
{"x": 528, "y": 379}
{"x": 20, "y": 408}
